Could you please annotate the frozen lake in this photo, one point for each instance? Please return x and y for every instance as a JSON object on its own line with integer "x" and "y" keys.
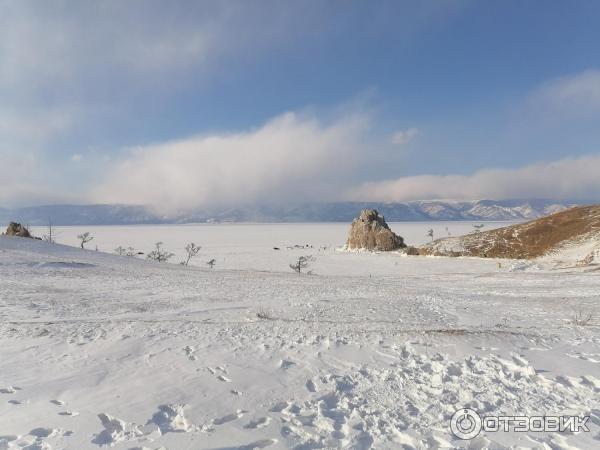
{"x": 244, "y": 245}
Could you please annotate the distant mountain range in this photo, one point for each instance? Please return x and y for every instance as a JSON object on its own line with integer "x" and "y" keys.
{"x": 430, "y": 210}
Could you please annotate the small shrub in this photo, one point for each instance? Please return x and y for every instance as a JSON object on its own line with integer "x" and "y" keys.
{"x": 158, "y": 254}
{"x": 264, "y": 315}
{"x": 582, "y": 319}
{"x": 302, "y": 263}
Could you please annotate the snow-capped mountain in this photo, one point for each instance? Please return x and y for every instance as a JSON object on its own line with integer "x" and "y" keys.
{"x": 428, "y": 210}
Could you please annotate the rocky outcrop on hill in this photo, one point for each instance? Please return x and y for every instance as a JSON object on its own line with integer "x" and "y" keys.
{"x": 16, "y": 229}
{"x": 570, "y": 229}
{"x": 592, "y": 258}
{"x": 370, "y": 232}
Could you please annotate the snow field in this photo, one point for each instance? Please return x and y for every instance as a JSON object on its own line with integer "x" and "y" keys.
{"x": 373, "y": 351}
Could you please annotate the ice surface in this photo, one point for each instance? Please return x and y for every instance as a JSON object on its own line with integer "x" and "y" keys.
{"x": 236, "y": 245}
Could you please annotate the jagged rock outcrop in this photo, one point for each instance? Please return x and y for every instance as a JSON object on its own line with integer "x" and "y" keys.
{"x": 16, "y": 229}
{"x": 370, "y": 231}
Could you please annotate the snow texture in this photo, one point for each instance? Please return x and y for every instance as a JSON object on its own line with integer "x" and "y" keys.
{"x": 374, "y": 350}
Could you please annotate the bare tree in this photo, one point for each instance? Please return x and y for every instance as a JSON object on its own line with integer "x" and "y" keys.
{"x": 430, "y": 233}
{"x": 50, "y": 235}
{"x": 212, "y": 263}
{"x": 130, "y": 251}
{"x": 158, "y": 254}
{"x": 302, "y": 263}
{"x": 582, "y": 319}
{"x": 85, "y": 238}
{"x": 191, "y": 250}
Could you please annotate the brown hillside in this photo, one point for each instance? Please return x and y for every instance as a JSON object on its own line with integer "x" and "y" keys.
{"x": 524, "y": 241}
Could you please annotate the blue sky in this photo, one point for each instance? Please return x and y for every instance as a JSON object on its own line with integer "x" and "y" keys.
{"x": 193, "y": 104}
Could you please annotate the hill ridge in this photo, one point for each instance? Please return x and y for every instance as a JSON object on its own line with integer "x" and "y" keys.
{"x": 578, "y": 226}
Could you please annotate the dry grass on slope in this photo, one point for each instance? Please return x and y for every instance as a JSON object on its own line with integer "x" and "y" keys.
{"x": 524, "y": 241}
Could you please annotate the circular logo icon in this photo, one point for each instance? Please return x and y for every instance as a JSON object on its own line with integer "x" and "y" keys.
{"x": 465, "y": 424}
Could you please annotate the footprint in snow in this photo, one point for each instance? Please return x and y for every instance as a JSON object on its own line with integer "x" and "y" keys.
{"x": 171, "y": 418}
{"x": 311, "y": 386}
{"x": 592, "y": 382}
{"x": 585, "y": 357}
{"x": 258, "y": 423}
{"x": 263, "y": 443}
{"x": 9, "y": 390}
{"x": 221, "y": 376}
{"x": 115, "y": 430}
{"x": 286, "y": 364}
{"x": 569, "y": 382}
{"x": 43, "y": 432}
{"x": 57, "y": 402}
{"x": 278, "y": 407}
{"x": 229, "y": 417}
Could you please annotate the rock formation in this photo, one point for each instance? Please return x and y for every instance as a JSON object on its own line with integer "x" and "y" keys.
{"x": 370, "y": 231}
{"x": 16, "y": 229}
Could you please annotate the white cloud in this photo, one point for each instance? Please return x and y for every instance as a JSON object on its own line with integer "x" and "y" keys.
{"x": 579, "y": 93}
{"x": 570, "y": 178}
{"x": 25, "y": 182}
{"x": 403, "y": 137}
{"x": 77, "y": 157}
{"x": 290, "y": 157}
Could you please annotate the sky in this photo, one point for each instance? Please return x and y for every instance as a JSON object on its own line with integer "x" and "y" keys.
{"x": 184, "y": 105}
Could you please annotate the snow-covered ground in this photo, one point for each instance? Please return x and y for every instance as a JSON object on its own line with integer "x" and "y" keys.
{"x": 371, "y": 351}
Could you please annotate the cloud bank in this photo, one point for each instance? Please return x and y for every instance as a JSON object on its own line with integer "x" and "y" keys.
{"x": 579, "y": 93}
{"x": 572, "y": 178}
{"x": 291, "y": 157}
